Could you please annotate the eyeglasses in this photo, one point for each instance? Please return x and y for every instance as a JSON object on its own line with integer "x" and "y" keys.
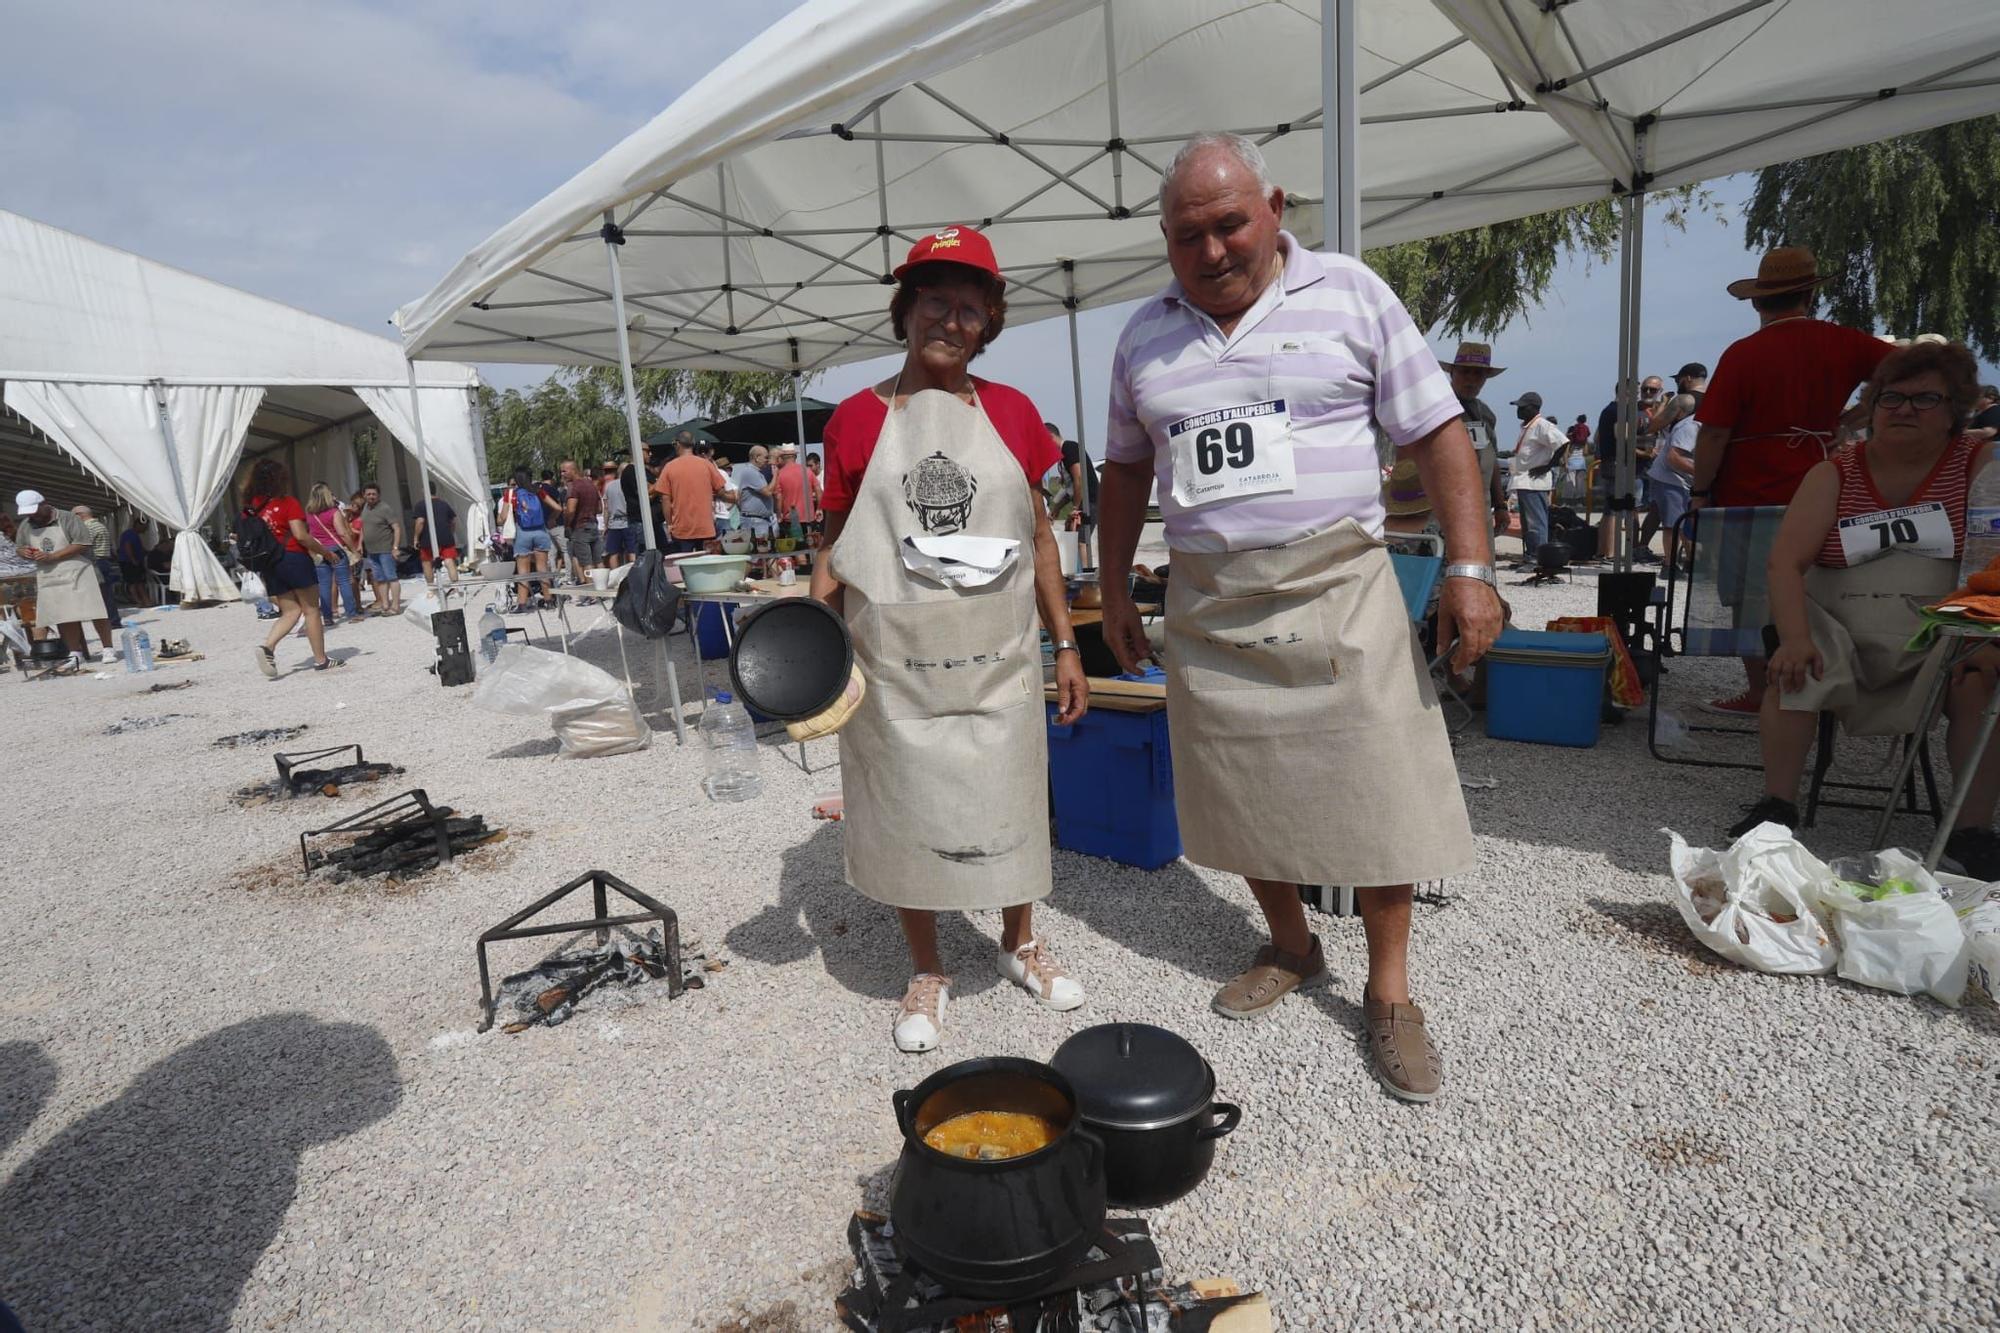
{"x": 1895, "y": 398}
{"x": 937, "y": 307}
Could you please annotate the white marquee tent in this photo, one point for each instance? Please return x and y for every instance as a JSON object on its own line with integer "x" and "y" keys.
{"x": 156, "y": 381}
{"x": 753, "y": 222}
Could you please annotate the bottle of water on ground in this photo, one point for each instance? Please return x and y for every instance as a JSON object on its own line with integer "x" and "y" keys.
{"x": 136, "y": 647}
{"x": 733, "y": 774}
{"x": 492, "y": 635}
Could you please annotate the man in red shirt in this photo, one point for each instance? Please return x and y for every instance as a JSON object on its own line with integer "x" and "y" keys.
{"x": 690, "y": 486}
{"x": 1774, "y": 404}
{"x": 798, "y": 489}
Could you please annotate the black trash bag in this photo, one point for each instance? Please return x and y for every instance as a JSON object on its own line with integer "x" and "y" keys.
{"x": 648, "y": 599}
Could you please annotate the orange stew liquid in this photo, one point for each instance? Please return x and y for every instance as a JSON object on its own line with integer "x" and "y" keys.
{"x": 992, "y": 1135}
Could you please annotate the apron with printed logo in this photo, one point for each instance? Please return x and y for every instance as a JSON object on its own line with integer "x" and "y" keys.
{"x": 944, "y": 766}
{"x": 1308, "y": 743}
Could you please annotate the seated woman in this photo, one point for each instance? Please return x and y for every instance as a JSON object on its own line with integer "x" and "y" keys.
{"x": 1872, "y": 535}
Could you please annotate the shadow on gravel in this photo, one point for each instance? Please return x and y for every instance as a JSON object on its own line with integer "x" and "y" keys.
{"x": 1170, "y": 914}
{"x": 152, "y": 1210}
{"x": 857, "y": 940}
{"x": 540, "y": 748}
{"x": 27, "y": 1079}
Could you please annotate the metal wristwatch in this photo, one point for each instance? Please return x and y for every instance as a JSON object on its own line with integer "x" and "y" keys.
{"x": 1484, "y": 573}
{"x": 1067, "y": 645}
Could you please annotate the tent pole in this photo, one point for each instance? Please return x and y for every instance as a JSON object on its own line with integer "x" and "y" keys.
{"x": 423, "y": 465}
{"x": 1076, "y": 386}
{"x": 614, "y": 237}
{"x": 1340, "y": 182}
{"x": 1632, "y": 209}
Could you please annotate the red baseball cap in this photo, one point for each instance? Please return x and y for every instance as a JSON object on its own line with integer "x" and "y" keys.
{"x": 953, "y": 245}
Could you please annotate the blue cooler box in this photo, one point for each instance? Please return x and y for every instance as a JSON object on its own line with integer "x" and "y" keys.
{"x": 1546, "y": 688}
{"x": 1112, "y": 779}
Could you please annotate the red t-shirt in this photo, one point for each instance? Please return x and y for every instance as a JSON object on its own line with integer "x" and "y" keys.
{"x": 1791, "y": 376}
{"x": 278, "y": 515}
{"x": 856, "y": 424}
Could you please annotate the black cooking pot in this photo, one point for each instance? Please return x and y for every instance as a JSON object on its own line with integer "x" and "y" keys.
{"x": 995, "y": 1230}
{"x": 792, "y": 658}
{"x": 48, "y": 651}
{"x": 1150, "y": 1097}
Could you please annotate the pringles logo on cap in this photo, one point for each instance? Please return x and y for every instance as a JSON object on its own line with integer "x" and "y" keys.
{"x": 945, "y": 240}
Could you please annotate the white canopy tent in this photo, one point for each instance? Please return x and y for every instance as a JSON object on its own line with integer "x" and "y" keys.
{"x": 753, "y": 222}
{"x": 154, "y": 379}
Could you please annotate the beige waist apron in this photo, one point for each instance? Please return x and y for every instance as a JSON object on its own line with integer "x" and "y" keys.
{"x": 944, "y": 766}
{"x": 1860, "y": 618}
{"x": 1308, "y": 743}
{"x": 67, "y": 590}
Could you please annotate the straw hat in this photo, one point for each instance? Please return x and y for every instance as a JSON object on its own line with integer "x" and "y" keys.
{"x": 1789, "y": 268}
{"x": 1403, "y": 493}
{"x": 1476, "y": 356}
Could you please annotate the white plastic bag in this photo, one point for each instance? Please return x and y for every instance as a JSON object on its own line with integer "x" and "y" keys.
{"x": 1982, "y": 937}
{"x": 419, "y": 610}
{"x": 1909, "y": 943}
{"x": 252, "y": 587}
{"x": 1753, "y": 904}
{"x": 587, "y": 706}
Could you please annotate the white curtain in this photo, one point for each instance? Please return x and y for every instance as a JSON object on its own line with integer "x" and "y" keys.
{"x": 448, "y": 445}
{"x": 116, "y": 431}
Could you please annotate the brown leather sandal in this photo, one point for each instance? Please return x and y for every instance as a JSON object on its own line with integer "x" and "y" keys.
{"x": 1405, "y": 1060}
{"x": 1273, "y": 975}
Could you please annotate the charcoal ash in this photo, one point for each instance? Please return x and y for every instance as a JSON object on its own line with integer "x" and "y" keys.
{"x": 327, "y": 782}
{"x": 165, "y": 686}
{"x": 549, "y": 993}
{"x": 131, "y": 724}
{"x": 405, "y": 848}
{"x": 261, "y": 736}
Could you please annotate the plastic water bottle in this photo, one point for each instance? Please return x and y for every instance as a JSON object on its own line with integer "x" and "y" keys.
{"x": 1982, "y": 523}
{"x": 492, "y": 635}
{"x": 136, "y": 647}
{"x": 732, "y": 751}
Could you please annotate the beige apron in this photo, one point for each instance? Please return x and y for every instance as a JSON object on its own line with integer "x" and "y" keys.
{"x": 944, "y": 767}
{"x": 67, "y": 590}
{"x": 1861, "y": 617}
{"x": 1308, "y": 743}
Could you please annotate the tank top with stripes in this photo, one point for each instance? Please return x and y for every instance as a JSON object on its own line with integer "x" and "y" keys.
{"x": 1931, "y": 522}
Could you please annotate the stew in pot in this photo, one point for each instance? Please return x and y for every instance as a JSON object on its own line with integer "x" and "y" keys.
{"x": 990, "y": 1136}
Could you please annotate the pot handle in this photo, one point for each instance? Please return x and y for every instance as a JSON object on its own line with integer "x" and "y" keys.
{"x": 1096, "y": 1146}
{"x": 904, "y": 1100}
{"x": 1227, "y": 1116}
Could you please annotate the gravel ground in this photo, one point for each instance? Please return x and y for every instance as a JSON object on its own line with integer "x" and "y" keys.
{"x": 231, "y": 1101}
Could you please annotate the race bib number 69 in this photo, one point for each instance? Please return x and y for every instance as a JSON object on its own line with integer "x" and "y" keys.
{"x": 1232, "y": 452}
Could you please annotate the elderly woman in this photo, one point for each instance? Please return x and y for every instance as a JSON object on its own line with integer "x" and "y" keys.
{"x": 940, "y": 556}
{"x": 1873, "y": 534}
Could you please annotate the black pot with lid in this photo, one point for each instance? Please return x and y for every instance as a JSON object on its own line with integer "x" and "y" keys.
{"x": 1150, "y": 1097}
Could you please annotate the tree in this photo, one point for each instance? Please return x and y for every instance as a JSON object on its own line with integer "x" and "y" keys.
{"x": 1909, "y": 228}
{"x": 579, "y": 412}
{"x": 1481, "y": 280}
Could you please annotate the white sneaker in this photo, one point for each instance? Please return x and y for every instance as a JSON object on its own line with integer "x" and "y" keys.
{"x": 920, "y": 1022}
{"x": 1035, "y": 970}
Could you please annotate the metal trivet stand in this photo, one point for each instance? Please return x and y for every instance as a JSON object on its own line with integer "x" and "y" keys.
{"x": 601, "y": 885}
{"x": 388, "y": 821}
{"x": 298, "y": 779}
{"x": 1109, "y": 1290}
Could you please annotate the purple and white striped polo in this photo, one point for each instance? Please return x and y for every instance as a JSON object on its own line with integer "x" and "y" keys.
{"x": 1328, "y": 337}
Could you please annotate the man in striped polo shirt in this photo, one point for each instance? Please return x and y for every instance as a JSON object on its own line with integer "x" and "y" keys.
{"x": 1308, "y": 745}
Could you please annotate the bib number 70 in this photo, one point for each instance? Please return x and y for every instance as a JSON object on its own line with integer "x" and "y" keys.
{"x": 1233, "y": 444}
{"x": 1898, "y": 532}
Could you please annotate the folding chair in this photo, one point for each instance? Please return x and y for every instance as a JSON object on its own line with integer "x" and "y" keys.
{"x": 1717, "y": 609}
{"x": 1418, "y": 577}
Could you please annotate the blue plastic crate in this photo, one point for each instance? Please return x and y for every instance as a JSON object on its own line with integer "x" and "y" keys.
{"x": 1546, "y": 688}
{"x": 1112, "y": 778}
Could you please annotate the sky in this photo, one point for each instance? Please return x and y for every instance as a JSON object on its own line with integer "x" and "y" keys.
{"x": 340, "y": 155}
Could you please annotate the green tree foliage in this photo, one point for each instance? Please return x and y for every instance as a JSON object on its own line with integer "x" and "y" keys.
{"x": 1481, "y": 280}
{"x": 1909, "y": 228}
{"x": 580, "y": 412}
